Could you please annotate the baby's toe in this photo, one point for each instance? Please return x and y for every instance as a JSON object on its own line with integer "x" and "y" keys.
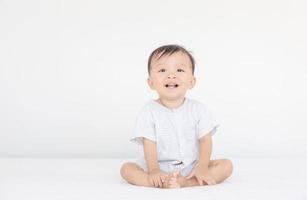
{"x": 173, "y": 182}
{"x": 173, "y": 178}
{"x": 175, "y": 174}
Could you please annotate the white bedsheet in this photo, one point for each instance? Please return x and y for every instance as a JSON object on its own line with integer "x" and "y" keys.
{"x": 74, "y": 179}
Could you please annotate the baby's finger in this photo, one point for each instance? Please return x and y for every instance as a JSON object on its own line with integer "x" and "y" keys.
{"x": 200, "y": 181}
{"x": 163, "y": 180}
{"x": 163, "y": 177}
{"x": 152, "y": 182}
{"x": 207, "y": 181}
{"x": 160, "y": 182}
{"x": 156, "y": 182}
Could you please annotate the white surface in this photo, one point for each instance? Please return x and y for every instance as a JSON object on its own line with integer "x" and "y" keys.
{"x": 73, "y": 73}
{"x": 79, "y": 179}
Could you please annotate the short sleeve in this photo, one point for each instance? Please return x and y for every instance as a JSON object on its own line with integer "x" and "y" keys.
{"x": 207, "y": 123}
{"x": 144, "y": 127}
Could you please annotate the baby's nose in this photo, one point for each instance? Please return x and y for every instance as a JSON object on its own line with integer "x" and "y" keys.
{"x": 172, "y": 76}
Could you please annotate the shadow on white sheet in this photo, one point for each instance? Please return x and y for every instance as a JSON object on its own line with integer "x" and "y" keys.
{"x": 74, "y": 179}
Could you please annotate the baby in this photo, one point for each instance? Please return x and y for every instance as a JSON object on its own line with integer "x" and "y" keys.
{"x": 176, "y": 132}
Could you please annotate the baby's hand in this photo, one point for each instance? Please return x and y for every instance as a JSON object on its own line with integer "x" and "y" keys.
{"x": 202, "y": 175}
{"x": 156, "y": 178}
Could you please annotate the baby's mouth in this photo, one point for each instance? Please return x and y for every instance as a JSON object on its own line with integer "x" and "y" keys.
{"x": 171, "y": 85}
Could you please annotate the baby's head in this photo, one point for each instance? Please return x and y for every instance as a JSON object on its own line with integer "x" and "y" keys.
{"x": 168, "y": 50}
{"x": 171, "y": 71}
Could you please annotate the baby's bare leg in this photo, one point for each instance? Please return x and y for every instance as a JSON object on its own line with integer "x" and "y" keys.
{"x": 220, "y": 170}
{"x": 134, "y": 174}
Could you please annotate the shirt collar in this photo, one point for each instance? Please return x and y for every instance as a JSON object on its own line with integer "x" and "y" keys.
{"x": 171, "y": 110}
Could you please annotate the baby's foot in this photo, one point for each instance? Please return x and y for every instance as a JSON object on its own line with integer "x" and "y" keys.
{"x": 171, "y": 180}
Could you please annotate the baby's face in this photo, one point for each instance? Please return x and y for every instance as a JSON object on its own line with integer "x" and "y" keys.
{"x": 171, "y": 76}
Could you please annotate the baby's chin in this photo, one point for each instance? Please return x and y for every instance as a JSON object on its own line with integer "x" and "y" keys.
{"x": 171, "y": 98}
{"x": 172, "y": 95}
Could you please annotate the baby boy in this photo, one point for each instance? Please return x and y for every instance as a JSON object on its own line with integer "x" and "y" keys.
{"x": 175, "y": 131}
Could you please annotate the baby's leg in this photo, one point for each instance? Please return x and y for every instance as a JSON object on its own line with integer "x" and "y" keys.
{"x": 134, "y": 174}
{"x": 220, "y": 170}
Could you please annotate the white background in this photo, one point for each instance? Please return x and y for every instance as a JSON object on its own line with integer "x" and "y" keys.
{"x": 73, "y": 73}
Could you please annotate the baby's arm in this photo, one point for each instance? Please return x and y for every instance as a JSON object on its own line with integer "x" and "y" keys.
{"x": 201, "y": 169}
{"x": 205, "y": 150}
{"x": 150, "y": 153}
{"x": 155, "y": 176}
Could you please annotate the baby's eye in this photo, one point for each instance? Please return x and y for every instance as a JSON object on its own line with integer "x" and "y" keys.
{"x": 180, "y": 70}
{"x": 162, "y": 70}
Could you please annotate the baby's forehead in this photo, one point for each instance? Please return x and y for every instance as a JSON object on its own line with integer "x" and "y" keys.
{"x": 178, "y": 57}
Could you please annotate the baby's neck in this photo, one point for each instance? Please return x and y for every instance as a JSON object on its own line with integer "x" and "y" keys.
{"x": 171, "y": 104}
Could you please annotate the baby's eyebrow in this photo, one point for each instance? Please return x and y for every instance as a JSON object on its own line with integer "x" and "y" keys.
{"x": 161, "y": 65}
{"x": 179, "y": 64}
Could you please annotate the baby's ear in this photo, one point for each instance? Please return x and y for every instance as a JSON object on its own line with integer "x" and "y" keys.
{"x": 192, "y": 82}
{"x": 150, "y": 83}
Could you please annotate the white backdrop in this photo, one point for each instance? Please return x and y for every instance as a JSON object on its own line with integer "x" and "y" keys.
{"x": 73, "y": 73}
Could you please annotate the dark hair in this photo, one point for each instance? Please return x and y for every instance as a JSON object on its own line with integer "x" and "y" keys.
{"x": 168, "y": 50}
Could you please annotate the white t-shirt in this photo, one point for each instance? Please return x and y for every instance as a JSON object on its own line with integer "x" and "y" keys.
{"x": 175, "y": 131}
